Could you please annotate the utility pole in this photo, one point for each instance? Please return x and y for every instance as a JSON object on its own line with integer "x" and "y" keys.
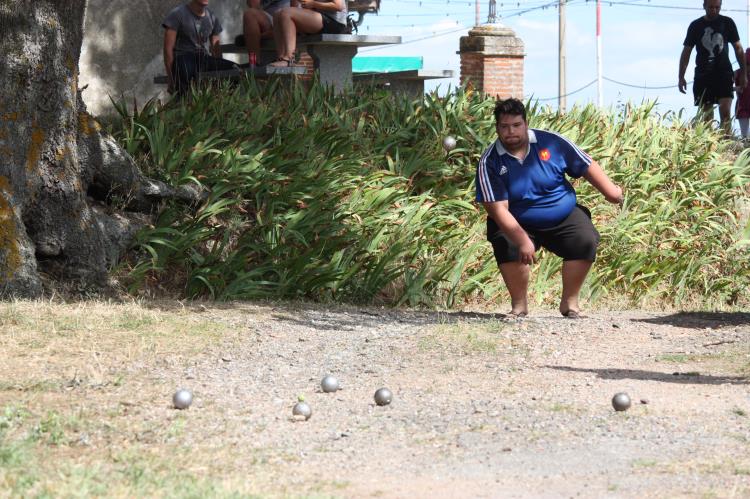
{"x": 477, "y": 20}
{"x": 561, "y": 100}
{"x": 599, "y": 76}
{"x": 748, "y": 23}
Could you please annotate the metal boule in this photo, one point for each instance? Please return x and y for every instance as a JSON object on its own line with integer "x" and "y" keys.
{"x": 329, "y": 384}
{"x": 182, "y": 399}
{"x": 301, "y": 410}
{"x": 383, "y": 396}
{"x": 621, "y": 401}
{"x": 449, "y": 143}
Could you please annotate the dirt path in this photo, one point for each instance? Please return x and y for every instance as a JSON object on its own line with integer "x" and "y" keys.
{"x": 483, "y": 407}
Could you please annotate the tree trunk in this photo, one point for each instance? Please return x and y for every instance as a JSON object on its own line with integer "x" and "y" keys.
{"x": 58, "y": 170}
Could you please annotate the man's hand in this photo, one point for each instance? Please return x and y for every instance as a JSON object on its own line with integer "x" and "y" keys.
{"x": 307, "y": 4}
{"x": 684, "y": 60}
{"x": 601, "y": 182}
{"x": 682, "y": 84}
{"x": 616, "y": 197}
{"x": 526, "y": 252}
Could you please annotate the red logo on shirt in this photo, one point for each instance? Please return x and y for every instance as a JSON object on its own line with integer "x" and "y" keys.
{"x": 544, "y": 154}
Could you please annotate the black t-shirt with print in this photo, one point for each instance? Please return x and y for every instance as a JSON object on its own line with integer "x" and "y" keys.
{"x": 711, "y": 40}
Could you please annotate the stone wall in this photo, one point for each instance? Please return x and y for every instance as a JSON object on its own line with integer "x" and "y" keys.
{"x": 122, "y": 47}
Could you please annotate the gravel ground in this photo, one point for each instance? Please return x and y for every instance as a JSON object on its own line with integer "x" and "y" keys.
{"x": 483, "y": 406}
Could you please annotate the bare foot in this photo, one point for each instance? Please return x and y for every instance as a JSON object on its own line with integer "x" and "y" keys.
{"x": 573, "y": 314}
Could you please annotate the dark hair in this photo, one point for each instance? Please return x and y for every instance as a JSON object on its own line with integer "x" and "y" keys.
{"x": 512, "y": 107}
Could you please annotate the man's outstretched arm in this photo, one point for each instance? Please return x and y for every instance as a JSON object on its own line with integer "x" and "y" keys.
{"x": 684, "y": 60}
{"x": 602, "y": 183}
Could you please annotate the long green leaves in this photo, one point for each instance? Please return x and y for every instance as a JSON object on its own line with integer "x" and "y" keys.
{"x": 351, "y": 198}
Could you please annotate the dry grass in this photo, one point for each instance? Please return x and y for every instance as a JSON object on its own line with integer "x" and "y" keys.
{"x": 72, "y": 378}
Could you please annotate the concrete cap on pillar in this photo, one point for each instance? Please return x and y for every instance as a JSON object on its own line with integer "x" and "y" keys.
{"x": 492, "y": 39}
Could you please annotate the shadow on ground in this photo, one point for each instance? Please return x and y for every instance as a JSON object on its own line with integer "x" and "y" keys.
{"x": 700, "y": 320}
{"x": 690, "y": 378}
{"x": 350, "y": 319}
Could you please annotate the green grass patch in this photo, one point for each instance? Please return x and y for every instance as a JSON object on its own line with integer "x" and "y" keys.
{"x": 469, "y": 338}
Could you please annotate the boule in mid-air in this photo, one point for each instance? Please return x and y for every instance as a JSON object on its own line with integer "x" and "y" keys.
{"x": 182, "y": 399}
{"x": 383, "y": 396}
{"x": 449, "y": 143}
{"x": 329, "y": 384}
{"x": 621, "y": 401}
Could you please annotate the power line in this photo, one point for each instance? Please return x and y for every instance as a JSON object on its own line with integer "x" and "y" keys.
{"x": 570, "y": 93}
{"x": 631, "y": 85}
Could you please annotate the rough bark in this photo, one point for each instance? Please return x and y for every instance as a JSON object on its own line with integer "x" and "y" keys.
{"x": 59, "y": 171}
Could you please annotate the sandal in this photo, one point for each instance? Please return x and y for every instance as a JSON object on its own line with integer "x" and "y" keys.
{"x": 282, "y": 63}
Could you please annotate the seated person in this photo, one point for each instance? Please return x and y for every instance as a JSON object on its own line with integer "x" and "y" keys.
{"x": 257, "y": 23}
{"x": 308, "y": 17}
{"x": 191, "y": 44}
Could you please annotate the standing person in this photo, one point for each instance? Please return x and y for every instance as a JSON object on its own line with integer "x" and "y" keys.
{"x": 191, "y": 44}
{"x": 257, "y": 23}
{"x": 530, "y": 204}
{"x": 742, "y": 109}
{"x": 713, "y": 84}
{"x": 314, "y": 16}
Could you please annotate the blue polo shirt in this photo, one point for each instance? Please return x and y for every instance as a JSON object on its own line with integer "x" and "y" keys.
{"x": 538, "y": 194}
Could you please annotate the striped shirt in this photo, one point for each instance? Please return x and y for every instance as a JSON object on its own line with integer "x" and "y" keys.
{"x": 538, "y": 194}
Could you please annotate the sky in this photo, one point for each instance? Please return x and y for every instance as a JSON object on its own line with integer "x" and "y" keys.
{"x": 641, "y": 44}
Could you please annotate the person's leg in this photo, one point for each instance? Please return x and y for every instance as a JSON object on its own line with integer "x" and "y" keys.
{"x": 703, "y": 100}
{"x": 575, "y": 240}
{"x": 574, "y": 272}
{"x": 255, "y": 25}
{"x": 706, "y": 113}
{"x": 516, "y": 278}
{"x": 210, "y": 63}
{"x": 744, "y": 128}
{"x": 725, "y": 114}
{"x": 515, "y": 274}
{"x": 287, "y": 23}
{"x": 185, "y": 69}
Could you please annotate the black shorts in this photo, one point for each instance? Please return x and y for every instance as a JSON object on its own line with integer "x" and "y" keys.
{"x": 708, "y": 89}
{"x": 575, "y": 238}
{"x": 332, "y": 26}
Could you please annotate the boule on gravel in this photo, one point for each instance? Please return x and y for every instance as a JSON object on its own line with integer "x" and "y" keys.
{"x": 383, "y": 396}
{"x": 182, "y": 399}
{"x": 301, "y": 411}
{"x": 329, "y": 384}
{"x": 449, "y": 143}
{"x": 621, "y": 401}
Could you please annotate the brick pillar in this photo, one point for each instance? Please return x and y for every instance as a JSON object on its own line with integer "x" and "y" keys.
{"x": 492, "y": 61}
{"x": 307, "y": 61}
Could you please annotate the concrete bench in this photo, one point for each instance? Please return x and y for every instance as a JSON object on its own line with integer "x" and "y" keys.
{"x": 331, "y": 54}
{"x": 410, "y": 82}
{"x": 239, "y": 72}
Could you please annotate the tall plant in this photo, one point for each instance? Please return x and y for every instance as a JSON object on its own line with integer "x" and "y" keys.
{"x": 351, "y": 198}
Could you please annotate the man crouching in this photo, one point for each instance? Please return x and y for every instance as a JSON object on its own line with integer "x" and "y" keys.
{"x": 530, "y": 204}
